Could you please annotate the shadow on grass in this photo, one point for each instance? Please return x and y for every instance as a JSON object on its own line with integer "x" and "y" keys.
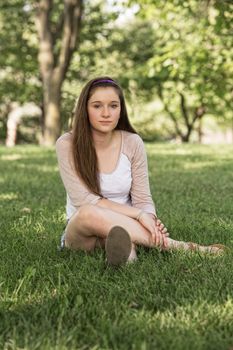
{"x": 164, "y": 300}
{"x": 52, "y": 299}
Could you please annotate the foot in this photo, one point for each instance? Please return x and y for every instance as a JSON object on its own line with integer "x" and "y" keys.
{"x": 212, "y": 249}
{"x": 217, "y": 248}
{"x": 118, "y": 246}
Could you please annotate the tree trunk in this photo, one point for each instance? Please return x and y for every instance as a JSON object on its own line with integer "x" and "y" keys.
{"x": 52, "y": 118}
{"x": 54, "y": 64}
{"x": 200, "y": 130}
{"x": 186, "y": 137}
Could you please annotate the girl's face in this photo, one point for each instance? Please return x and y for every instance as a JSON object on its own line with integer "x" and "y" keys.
{"x": 103, "y": 109}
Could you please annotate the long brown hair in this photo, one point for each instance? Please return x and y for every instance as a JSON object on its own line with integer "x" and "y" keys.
{"x": 83, "y": 150}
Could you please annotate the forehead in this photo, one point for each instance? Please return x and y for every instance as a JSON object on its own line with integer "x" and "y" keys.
{"x": 107, "y": 93}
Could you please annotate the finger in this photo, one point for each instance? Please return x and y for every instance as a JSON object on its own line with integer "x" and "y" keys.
{"x": 165, "y": 242}
{"x": 161, "y": 241}
{"x": 159, "y": 237}
{"x": 162, "y": 228}
{"x": 153, "y": 234}
{"x": 163, "y": 231}
{"x": 153, "y": 237}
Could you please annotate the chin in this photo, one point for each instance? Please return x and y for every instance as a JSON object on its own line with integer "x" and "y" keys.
{"x": 105, "y": 130}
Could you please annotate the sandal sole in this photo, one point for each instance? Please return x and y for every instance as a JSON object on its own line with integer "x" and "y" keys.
{"x": 118, "y": 246}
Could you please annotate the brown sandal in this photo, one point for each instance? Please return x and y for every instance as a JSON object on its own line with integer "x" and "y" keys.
{"x": 118, "y": 246}
{"x": 193, "y": 246}
{"x": 211, "y": 248}
{"x": 221, "y": 248}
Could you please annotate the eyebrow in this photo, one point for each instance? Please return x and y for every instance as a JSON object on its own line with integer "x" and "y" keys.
{"x": 101, "y": 102}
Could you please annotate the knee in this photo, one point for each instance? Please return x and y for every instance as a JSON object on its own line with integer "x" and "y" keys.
{"x": 88, "y": 213}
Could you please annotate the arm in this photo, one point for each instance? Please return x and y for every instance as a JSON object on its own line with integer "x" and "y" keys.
{"x": 119, "y": 208}
{"x": 147, "y": 220}
{"x": 142, "y": 208}
{"x": 78, "y": 193}
{"x": 140, "y": 189}
{"x": 76, "y": 190}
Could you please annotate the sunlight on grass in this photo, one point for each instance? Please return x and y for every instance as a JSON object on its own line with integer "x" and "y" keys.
{"x": 197, "y": 314}
{"x": 198, "y": 165}
{"x": 198, "y": 317}
{"x": 8, "y": 196}
{"x": 71, "y": 300}
{"x": 11, "y": 157}
{"x": 44, "y": 168}
{"x": 215, "y": 151}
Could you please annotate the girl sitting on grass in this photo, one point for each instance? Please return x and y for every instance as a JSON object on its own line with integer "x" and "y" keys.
{"x": 103, "y": 166}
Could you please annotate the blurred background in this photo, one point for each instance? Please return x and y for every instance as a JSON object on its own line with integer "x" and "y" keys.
{"x": 172, "y": 58}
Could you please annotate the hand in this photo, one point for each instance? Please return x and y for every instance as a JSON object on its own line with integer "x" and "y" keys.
{"x": 158, "y": 232}
{"x": 162, "y": 228}
{"x": 164, "y": 232}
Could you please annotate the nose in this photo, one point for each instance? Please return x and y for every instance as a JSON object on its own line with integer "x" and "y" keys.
{"x": 105, "y": 112}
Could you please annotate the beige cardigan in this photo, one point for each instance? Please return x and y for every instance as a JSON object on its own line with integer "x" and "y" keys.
{"x": 78, "y": 192}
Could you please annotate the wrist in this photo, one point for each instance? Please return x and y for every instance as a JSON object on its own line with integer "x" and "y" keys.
{"x": 139, "y": 215}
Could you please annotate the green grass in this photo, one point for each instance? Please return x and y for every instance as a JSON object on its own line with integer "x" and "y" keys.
{"x": 54, "y": 300}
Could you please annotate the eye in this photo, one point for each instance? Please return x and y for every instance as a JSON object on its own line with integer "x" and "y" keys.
{"x": 114, "y": 106}
{"x": 96, "y": 106}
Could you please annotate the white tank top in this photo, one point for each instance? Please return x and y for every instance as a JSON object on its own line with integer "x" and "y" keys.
{"x": 112, "y": 186}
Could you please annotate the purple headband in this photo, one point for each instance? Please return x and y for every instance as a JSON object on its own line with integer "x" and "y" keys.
{"x": 104, "y": 81}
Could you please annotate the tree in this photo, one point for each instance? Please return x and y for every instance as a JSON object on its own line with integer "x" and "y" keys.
{"x": 59, "y": 33}
{"x": 194, "y": 61}
{"x": 18, "y": 62}
{"x": 185, "y": 60}
{"x": 21, "y": 80}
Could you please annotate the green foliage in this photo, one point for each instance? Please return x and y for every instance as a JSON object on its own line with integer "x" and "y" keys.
{"x": 192, "y": 54}
{"x": 167, "y": 49}
{"x": 170, "y": 50}
{"x": 18, "y": 58}
{"x": 72, "y": 300}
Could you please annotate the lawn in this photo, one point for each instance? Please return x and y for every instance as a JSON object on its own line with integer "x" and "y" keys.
{"x": 67, "y": 300}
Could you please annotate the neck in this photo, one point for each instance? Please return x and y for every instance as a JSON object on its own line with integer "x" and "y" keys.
{"x": 102, "y": 140}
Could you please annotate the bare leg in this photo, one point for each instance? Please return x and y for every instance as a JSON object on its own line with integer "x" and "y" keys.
{"x": 91, "y": 224}
{"x": 174, "y": 245}
{"x": 89, "y": 227}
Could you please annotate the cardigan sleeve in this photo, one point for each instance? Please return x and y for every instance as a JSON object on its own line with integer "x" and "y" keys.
{"x": 78, "y": 193}
{"x": 140, "y": 189}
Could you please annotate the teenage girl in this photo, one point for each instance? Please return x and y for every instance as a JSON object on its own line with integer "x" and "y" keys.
{"x": 103, "y": 166}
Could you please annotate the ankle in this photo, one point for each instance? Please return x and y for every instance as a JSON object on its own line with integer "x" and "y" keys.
{"x": 133, "y": 255}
